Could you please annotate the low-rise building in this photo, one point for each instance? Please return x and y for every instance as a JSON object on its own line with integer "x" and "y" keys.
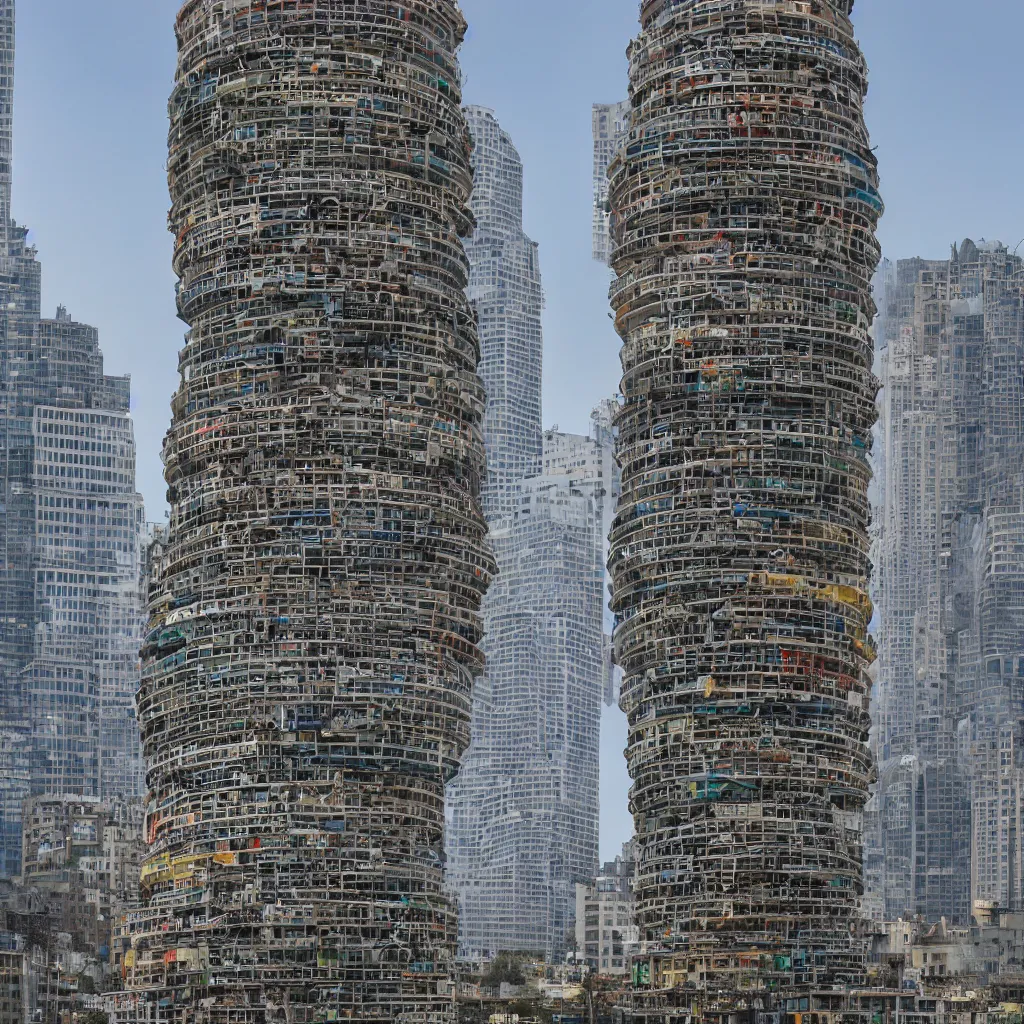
{"x": 606, "y": 934}
{"x": 80, "y": 859}
{"x": 914, "y": 954}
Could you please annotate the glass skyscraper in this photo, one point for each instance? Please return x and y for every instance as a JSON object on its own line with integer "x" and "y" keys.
{"x": 523, "y": 814}
{"x": 70, "y": 541}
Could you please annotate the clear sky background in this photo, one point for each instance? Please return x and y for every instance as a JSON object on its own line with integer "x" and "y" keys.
{"x": 90, "y": 141}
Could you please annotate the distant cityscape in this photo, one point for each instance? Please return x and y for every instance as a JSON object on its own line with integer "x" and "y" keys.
{"x": 325, "y": 745}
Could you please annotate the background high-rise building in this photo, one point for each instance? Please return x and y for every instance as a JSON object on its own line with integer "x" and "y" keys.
{"x": 315, "y": 604}
{"x": 19, "y": 271}
{"x": 72, "y": 529}
{"x": 20, "y": 287}
{"x": 744, "y": 208}
{"x": 523, "y": 815}
{"x": 523, "y": 827}
{"x": 70, "y": 541}
{"x": 916, "y": 723}
{"x": 505, "y": 289}
{"x": 950, "y": 578}
{"x": 611, "y": 127}
{"x": 7, "y": 51}
{"x": 883, "y": 289}
{"x": 606, "y": 931}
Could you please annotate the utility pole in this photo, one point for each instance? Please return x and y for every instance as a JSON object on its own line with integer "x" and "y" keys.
{"x": 588, "y": 989}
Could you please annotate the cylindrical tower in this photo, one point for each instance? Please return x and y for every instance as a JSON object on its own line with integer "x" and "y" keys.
{"x": 744, "y": 211}
{"x": 307, "y": 676}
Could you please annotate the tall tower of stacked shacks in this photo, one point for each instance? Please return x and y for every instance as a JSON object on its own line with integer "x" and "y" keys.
{"x": 307, "y": 677}
{"x": 744, "y": 208}
{"x": 20, "y": 286}
{"x": 950, "y": 580}
{"x": 523, "y": 813}
{"x": 70, "y": 540}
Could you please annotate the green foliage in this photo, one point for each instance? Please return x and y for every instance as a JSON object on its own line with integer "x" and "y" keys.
{"x": 94, "y": 1017}
{"x": 505, "y": 968}
{"x": 529, "y": 1009}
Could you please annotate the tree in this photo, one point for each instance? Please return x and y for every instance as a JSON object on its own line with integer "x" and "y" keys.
{"x": 529, "y": 1009}
{"x": 506, "y": 968}
{"x": 94, "y": 1017}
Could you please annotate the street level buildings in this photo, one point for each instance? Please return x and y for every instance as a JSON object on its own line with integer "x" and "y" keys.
{"x": 57, "y": 921}
{"x": 70, "y": 528}
{"x": 81, "y": 862}
{"x": 13, "y": 985}
{"x": 314, "y": 608}
{"x": 950, "y": 541}
{"x": 915, "y": 953}
{"x": 744, "y": 206}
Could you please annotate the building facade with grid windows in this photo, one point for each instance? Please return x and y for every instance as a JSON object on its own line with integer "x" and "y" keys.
{"x": 523, "y": 813}
{"x": 523, "y": 820}
{"x": 70, "y": 540}
{"x": 744, "y": 204}
{"x": 950, "y": 588}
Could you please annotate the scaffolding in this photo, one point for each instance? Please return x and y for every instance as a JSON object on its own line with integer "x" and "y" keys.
{"x": 315, "y": 608}
{"x": 744, "y": 205}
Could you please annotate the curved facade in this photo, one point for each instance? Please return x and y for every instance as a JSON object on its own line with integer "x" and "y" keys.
{"x": 307, "y": 676}
{"x": 744, "y": 208}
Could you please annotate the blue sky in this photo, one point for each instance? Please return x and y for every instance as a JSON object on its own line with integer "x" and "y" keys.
{"x": 90, "y": 141}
